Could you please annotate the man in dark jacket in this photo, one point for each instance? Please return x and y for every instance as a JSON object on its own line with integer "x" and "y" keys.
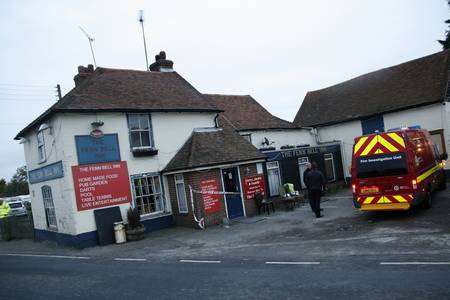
{"x": 315, "y": 182}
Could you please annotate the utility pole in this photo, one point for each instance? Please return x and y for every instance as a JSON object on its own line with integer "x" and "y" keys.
{"x": 58, "y": 90}
{"x": 141, "y": 20}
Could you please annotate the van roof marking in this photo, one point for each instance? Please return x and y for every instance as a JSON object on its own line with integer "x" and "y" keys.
{"x": 386, "y": 144}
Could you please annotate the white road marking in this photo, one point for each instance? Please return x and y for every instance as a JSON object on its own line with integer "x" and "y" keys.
{"x": 200, "y": 261}
{"x": 130, "y": 259}
{"x": 44, "y": 255}
{"x": 416, "y": 263}
{"x": 292, "y": 263}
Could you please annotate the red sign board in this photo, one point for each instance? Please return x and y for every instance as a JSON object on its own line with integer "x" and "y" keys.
{"x": 100, "y": 185}
{"x": 253, "y": 185}
{"x": 210, "y": 196}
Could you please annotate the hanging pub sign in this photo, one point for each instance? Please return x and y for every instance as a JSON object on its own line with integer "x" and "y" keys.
{"x": 101, "y": 185}
{"x": 210, "y": 195}
{"x": 253, "y": 185}
{"x": 97, "y": 147}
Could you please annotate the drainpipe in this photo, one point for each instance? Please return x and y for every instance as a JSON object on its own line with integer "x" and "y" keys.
{"x": 201, "y": 221}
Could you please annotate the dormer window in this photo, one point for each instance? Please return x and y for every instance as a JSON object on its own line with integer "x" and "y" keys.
{"x": 41, "y": 146}
{"x": 141, "y": 135}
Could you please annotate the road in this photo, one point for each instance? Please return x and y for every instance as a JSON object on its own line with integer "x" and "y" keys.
{"x": 66, "y": 278}
{"x": 289, "y": 255}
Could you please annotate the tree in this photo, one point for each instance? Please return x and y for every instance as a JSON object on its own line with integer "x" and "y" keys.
{"x": 2, "y": 186}
{"x": 18, "y": 184}
{"x": 446, "y": 43}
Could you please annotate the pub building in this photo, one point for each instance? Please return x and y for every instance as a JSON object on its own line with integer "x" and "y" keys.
{"x": 143, "y": 139}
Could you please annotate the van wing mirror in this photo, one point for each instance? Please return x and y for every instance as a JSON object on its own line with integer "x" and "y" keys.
{"x": 444, "y": 156}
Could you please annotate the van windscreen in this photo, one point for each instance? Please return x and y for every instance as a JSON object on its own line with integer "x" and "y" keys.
{"x": 381, "y": 165}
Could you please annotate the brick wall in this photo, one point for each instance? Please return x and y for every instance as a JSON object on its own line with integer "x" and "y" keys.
{"x": 194, "y": 179}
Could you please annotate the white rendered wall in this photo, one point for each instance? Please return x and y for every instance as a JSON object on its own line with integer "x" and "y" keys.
{"x": 170, "y": 131}
{"x": 345, "y": 133}
{"x": 281, "y": 137}
{"x": 429, "y": 117}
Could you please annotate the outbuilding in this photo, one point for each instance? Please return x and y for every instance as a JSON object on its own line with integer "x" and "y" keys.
{"x": 412, "y": 94}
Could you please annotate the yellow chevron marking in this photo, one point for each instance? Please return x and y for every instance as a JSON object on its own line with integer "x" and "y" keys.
{"x": 359, "y": 144}
{"x": 386, "y": 144}
{"x": 400, "y": 198}
{"x": 379, "y": 151}
{"x": 368, "y": 200}
{"x": 384, "y": 200}
{"x": 369, "y": 147}
{"x": 423, "y": 176}
{"x": 397, "y": 138}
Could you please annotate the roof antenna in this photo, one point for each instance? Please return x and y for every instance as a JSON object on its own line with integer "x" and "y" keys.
{"x": 90, "y": 39}
{"x": 141, "y": 20}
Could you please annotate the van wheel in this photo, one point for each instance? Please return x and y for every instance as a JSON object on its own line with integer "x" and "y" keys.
{"x": 427, "y": 202}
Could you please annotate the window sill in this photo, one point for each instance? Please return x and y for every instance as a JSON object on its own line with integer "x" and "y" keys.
{"x": 154, "y": 215}
{"x": 144, "y": 152}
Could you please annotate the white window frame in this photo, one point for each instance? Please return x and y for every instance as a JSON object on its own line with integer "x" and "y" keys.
{"x": 301, "y": 162}
{"x": 154, "y": 194}
{"x": 140, "y": 130}
{"x": 41, "y": 146}
{"x": 179, "y": 182}
{"x": 276, "y": 165}
{"x": 330, "y": 157}
{"x": 49, "y": 207}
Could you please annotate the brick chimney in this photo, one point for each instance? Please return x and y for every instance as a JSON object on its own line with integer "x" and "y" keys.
{"x": 83, "y": 73}
{"x": 161, "y": 64}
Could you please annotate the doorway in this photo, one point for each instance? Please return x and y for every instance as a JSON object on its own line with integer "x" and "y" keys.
{"x": 232, "y": 184}
{"x": 302, "y": 162}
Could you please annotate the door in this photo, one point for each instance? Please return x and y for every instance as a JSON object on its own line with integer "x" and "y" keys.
{"x": 273, "y": 174}
{"x": 231, "y": 184}
{"x": 302, "y": 162}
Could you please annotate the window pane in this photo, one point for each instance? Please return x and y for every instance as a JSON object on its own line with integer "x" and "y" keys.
{"x": 181, "y": 196}
{"x": 157, "y": 186}
{"x": 133, "y": 122}
{"x": 135, "y": 139}
{"x": 145, "y": 138}
{"x": 143, "y": 122}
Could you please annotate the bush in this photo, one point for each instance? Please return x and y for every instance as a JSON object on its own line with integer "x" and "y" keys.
{"x": 134, "y": 218}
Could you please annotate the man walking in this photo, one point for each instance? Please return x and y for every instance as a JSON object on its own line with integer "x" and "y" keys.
{"x": 315, "y": 182}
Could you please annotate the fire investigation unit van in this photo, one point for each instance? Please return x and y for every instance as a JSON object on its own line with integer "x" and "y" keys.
{"x": 395, "y": 170}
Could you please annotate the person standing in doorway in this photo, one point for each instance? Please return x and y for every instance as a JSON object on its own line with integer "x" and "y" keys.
{"x": 315, "y": 183}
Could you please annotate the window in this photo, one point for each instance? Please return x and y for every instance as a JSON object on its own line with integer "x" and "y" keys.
{"x": 147, "y": 194}
{"x": 41, "y": 146}
{"x": 391, "y": 164}
{"x": 49, "y": 207}
{"x": 438, "y": 138}
{"x": 373, "y": 124}
{"x": 141, "y": 136}
{"x": 329, "y": 166}
{"x": 181, "y": 193}
{"x": 273, "y": 174}
{"x": 302, "y": 166}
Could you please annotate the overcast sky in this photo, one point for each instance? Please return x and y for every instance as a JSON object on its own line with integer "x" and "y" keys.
{"x": 274, "y": 50}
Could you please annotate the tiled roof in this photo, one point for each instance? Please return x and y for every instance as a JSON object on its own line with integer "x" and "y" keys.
{"x": 211, "y": 148}
{"x": 245, "y": 113}
{"x": 414, "y": 83}
{"x": 129, "y": 90}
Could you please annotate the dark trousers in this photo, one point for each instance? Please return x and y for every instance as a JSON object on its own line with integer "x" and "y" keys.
{"x": 314, "y": 201}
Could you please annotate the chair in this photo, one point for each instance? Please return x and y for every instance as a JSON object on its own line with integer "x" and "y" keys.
{"x": 263, "y": 203}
